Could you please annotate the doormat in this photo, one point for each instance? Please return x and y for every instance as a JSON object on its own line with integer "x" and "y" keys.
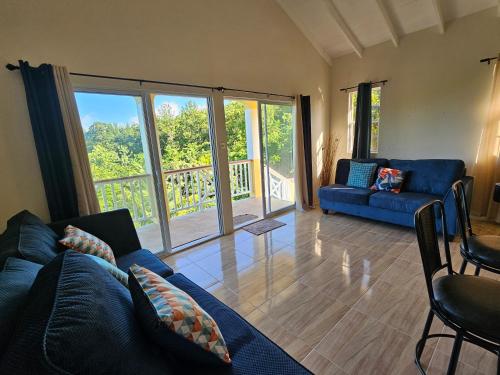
{"x": 240, "y": 219}
{"x": 263, "y": 226}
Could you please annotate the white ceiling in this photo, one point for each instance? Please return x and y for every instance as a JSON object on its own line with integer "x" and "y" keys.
{"x": 339, "y": 27}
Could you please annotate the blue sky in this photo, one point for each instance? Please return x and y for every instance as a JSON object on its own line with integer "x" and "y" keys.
{"x": 122, "y": 109}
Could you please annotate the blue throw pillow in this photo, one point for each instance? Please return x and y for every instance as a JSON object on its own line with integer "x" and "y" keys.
{"x": 361, "y": 174}
{"x": 29, "y": 238}
{"x": 80, "y": 320}
{"x": 16, "y": 280}
{"x": 117, "y": 273}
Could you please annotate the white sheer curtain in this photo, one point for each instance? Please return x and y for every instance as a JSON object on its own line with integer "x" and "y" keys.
{"x": 486, "y": 170}
{"x": 87, "y": 199}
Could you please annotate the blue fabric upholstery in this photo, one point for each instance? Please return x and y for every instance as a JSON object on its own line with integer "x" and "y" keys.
{"x": 429, "y": 176}
{"x": 344, "y": 165}
{"x": 117, "y": 273}
{"x": 146, "y": 259}
{"x": 424, "y": 180}
{"x": 342, "y": 193}
{"x": 404, "y": 202}
{"x": 361, "y": 175}
{"x": 29, "y": 238}
{"x": 16, "y": 280}
{"x": 251, "y": 352}
{"x": 79, "y": 320}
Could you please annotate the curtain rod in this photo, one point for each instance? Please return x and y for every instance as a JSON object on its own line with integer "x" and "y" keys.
{"x": 488, "y": 60}
{"x": 383, "y": 82}
{"x": 13, "y": 67}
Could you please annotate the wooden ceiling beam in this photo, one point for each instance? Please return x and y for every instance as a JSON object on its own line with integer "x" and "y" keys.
{"x": 436, "y": 6}
{"x": 344, "y": 28}
{"x": 388, "y": 21}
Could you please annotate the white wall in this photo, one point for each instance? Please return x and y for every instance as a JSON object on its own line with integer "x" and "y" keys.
{"x": 236, "y": 43}
{"x": 436, "y": 100}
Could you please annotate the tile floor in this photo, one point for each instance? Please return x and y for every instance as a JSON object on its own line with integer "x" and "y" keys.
{"x": 342, "y": 295}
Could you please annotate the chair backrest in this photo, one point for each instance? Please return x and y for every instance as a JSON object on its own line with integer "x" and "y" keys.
{"x": 428, "y": 241}
{"x": 464, "y": 222}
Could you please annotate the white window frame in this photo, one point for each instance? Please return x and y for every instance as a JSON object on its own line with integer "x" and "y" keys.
{"x": 351, "y": 119}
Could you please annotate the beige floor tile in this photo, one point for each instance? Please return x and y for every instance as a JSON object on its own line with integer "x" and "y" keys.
{"x": 405, "y": 274}
{"x": 231, "y": 299}
{"x": 198, "y": 275}
{"x": 225, "y": 262}
{"x": 319, "y": 365}
{"x": 361, "y": 345}
{"x": 399, "y": 308}
{"x": 309, "y": 313}
{"x": 439, "y": 365}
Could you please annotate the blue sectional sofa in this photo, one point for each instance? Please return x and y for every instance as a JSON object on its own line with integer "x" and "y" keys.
{"x": 425, "y": 180}
{"x": 78, "y": 319}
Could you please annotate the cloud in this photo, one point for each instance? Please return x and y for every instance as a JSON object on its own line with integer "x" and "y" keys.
{"x": 174, "y": 108}
{"x": 87, "y": 120}
{"x": 133, "y": 120}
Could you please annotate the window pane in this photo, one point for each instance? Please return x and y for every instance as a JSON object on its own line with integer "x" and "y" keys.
{"x": 351, "y": 119}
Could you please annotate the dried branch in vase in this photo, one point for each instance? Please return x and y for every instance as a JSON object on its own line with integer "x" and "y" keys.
{"x": 329, "y": 153}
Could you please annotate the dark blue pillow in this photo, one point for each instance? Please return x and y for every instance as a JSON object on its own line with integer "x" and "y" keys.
{"x": 29, "y": 238}
{"x": 16, "y": 280}
{"x": 80, "y": 320}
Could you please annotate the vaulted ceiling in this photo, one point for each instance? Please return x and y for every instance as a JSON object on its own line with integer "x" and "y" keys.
{"x": 340, "y": 27}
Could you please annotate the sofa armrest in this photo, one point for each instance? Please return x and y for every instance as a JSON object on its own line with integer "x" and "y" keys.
{"x": 116, "y": 228}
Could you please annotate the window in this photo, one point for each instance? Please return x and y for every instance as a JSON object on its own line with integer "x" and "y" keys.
{"x": 351, "y": 119}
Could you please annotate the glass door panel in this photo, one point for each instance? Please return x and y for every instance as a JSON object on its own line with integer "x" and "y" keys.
{"x": 277, "y": 155}
{"x": 243, "y": 147}
{"x": 184, "y": 134}
{"x": 117, "y": 146}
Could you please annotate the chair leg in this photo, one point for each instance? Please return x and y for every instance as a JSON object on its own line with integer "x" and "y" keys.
{"x": 425, "y": 333}
{"x": 455, "y": 354}
{"x": 476, "y": 272}
{"x": 462, "y": 267}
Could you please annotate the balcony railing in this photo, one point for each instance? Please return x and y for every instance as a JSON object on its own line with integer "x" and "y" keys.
{"x": 187, "y": 190}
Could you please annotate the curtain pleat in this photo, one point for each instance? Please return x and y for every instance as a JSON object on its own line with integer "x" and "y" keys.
{"x": 362, "y": 126}
{"x": 50, "y": 140}
{"x": 85, "y": 190}
{"x": 302, "y": 146}
{"x": 486, "y": 170}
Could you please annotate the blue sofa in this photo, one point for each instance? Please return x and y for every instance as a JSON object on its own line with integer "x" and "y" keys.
{"x": 425, "y": 180}
{"x": 79, "y": 319}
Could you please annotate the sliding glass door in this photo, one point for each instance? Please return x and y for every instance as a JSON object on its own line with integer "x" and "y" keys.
{"x": 117, "y": 146}
{"x": 185, "y": 140}
{"x": 277, "y": 144}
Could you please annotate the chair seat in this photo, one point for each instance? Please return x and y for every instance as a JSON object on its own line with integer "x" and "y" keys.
{"x": 471, "y": 302}
{"x": 486, "y": 249}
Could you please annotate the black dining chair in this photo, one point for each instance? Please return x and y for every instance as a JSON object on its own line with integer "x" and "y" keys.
{"x": 469, "y": 305}
{"x": 481, "y": 250}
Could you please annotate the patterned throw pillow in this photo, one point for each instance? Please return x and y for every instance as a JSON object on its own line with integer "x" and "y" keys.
{"x": 174, "y": 320}
{"x": 85, "y": 243}
{"x": 389, "y": 180}
{"x": 117, "y": 273}
{"x": 361, "y": 174}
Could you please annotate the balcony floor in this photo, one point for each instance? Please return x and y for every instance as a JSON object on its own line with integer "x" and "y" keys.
{"x": 196, "y": 225}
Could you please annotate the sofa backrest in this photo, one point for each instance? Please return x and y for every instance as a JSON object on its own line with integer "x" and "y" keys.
{"x": 429, "y": 176}
{"x": 343, "y": 167}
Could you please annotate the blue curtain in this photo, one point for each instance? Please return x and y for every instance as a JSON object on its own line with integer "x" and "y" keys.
{"x": 50, "y": 140}
{"x": 363, "y": 124}
{"x": 305, "y": 102}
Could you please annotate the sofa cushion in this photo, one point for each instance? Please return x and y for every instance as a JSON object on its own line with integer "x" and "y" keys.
{"x": 344, "y": 165}
{"x": 16, "y": 280}
{"x": 80, "y": 320}
{"x": 29, "y": 238}
{"x": 429, "y": 176}
{"x": 175, "y": 321}
{"x": 403, "y": 202}
{"x": 251, "y": 352}
{"x": 86, "y": 243}
{"x": 345, "y": 194}
{"x": 146, "y": 259}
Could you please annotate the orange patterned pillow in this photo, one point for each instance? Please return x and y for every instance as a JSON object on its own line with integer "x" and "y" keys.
{"x": 85, "y": 243}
